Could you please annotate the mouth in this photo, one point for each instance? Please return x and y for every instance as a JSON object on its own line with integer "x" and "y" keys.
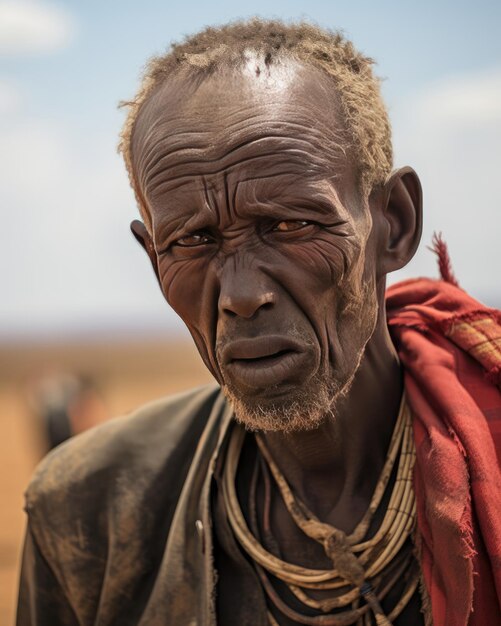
{"x": 264, "y": 362}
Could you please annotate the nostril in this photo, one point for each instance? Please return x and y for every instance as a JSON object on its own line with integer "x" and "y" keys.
{"x": 246, "y": 309}
{"x": 245, "y": 302}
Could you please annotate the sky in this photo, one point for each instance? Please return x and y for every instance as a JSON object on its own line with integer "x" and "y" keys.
{"x": 68, "y": 263}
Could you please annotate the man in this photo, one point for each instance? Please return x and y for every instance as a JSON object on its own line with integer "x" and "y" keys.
{"x": 260, "y": 156}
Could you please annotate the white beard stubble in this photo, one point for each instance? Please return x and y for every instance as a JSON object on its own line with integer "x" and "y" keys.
{"x": 305, "y": 409}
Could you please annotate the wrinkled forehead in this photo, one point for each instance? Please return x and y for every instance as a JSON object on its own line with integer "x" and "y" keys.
{"x": 243, "y": 117}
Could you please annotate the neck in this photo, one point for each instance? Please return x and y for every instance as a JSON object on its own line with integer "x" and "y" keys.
{"x": 334, "y": 468}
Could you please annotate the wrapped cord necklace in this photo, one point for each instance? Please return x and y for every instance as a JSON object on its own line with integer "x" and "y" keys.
{"x": 364, "y": 570}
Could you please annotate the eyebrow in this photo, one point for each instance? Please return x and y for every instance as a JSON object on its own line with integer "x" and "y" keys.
{"x": 294, "y": 209}
{"x": 323, "y": 200}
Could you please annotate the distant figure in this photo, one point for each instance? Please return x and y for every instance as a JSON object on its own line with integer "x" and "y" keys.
{"x": 66, "y": 404}
{"x": 345, "y": 469}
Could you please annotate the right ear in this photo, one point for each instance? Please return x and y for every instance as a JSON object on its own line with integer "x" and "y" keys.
{"x": 142, "y": 235}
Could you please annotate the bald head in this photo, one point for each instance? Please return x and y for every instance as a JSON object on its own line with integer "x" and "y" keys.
{"x": 257, "y": 45}
{"x": 286, "y": 113}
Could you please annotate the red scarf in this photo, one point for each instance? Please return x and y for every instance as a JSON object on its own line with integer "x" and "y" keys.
{"x": 450, "y": 347}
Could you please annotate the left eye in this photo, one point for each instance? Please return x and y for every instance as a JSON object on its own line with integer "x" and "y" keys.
{"x": 287, "y": 226}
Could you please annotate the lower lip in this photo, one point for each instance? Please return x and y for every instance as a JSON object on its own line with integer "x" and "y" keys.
{"x": 267, "y": 372}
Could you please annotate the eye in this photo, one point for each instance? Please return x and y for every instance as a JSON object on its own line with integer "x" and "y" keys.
{"x": 193, "y": 239}
{"x": 287, "y": 226}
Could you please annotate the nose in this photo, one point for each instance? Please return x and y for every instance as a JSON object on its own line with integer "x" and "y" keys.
{"x": 244, "y": 292}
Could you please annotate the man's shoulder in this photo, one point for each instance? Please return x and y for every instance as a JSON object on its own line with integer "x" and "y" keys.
{"x": 100, "y": 465}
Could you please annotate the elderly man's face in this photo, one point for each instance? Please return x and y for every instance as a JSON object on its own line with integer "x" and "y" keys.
{"x": 261, "y": 236}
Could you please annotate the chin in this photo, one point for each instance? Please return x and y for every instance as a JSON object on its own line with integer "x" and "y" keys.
{"x": 299, "y": 409}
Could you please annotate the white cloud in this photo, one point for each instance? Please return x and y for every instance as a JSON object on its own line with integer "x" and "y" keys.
{"x": 464, "y": 100}
{"x": 451, "y": 133}
{"x": 28, "y": 27}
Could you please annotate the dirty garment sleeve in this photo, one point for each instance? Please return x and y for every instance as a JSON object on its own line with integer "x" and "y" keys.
{"x": 42, "y": 601}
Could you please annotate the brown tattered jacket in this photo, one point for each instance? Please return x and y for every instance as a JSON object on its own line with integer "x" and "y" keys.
{"x": 114, "y": 534}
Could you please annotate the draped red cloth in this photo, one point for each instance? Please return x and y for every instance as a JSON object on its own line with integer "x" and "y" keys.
{"x": 450, "y": 347}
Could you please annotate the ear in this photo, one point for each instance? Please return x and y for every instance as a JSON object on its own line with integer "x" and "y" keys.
{"x": 400, "y": 213}
{"x": 142, "y": 235}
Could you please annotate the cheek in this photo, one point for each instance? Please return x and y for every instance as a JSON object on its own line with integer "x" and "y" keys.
{"x": 187, "y": 288}
{"x": 310, "y": 268}
{"x": 356, "y": 310}
{"x": 330, "y": 285}
{"x": 322, "y": 276}
{"x": 181, "y": 284}
{"x": 312, "y": 273}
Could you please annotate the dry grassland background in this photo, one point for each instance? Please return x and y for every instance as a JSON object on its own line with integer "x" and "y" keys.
{"x": 127, "y": 375}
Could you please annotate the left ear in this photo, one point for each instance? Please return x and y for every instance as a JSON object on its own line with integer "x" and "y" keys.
{"x": 400, "y": 213}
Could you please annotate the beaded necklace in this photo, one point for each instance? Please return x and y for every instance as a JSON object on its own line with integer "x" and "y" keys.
{"x": 364, "y": 569}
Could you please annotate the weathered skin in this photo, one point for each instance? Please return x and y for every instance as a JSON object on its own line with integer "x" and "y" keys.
{"x": 259, "y": 232}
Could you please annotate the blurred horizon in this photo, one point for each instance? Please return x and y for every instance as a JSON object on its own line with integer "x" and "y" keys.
{"x": 70, "y": 267}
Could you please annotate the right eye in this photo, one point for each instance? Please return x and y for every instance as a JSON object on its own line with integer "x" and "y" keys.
{"x": 194, "y": 239}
